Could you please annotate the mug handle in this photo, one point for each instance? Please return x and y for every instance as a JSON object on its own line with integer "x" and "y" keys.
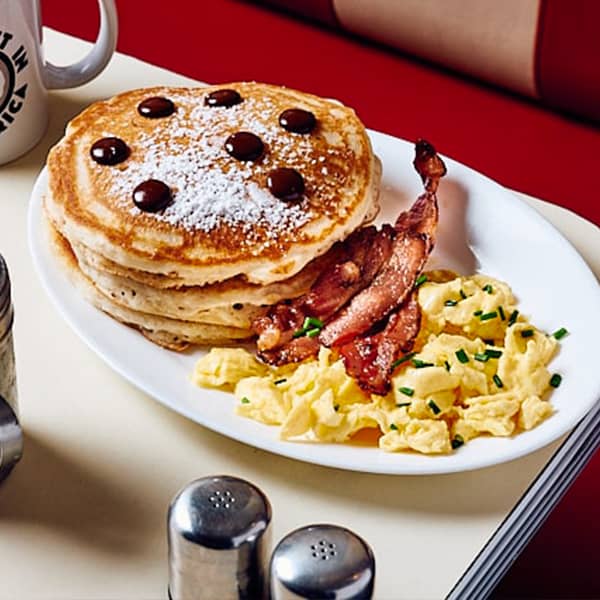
{"x": 94, "y": 62}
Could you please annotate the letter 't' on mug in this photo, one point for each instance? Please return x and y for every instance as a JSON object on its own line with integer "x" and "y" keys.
{"x": 25, "y": 77}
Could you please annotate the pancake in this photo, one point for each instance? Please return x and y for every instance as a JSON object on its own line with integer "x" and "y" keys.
{"x": 174, "y": 334}
{"x": 223, "y": 221}
{"x": 132, "y": 283}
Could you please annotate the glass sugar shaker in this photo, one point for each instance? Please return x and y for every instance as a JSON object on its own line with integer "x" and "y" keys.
{"x": 11, "y": 435}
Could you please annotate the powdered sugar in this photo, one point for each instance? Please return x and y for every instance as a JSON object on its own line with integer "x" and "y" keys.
{"x": 186, "y": 151}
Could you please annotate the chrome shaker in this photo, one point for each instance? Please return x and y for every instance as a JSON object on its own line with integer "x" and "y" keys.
{"x": 219, "y": 539}
{"x": 11, "y": 436}
{"x": 322, "y": 562}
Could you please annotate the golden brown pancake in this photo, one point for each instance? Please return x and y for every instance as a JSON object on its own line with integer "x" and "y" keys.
{"x": 174, "y": 334}
{"x": 223, "y": 221}
{"x": 227, "y": 243}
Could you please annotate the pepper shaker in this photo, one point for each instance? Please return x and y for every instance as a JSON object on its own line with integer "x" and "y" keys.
{"x": 11, "y": 436}
{"x": 321, "y": 562}
{"x": 219, "y": 532}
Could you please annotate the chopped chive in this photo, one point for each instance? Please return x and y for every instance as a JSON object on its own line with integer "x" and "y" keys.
{"x": 488, "y": 316}
{"x": 527, "y": 333}
{"x": 421, "y": 279}
{"x": 280, "y": 381}
{"x": 457, "y": 441}
{"x": 245, "y": 400}
{"x": 481, "y": 357}
{"x": 477, "y": 313}
{"x": 555, "y": 380}
{"x": 488, "y": 288}
{"x": 447, "y": 365}
{"x": 393, "y": 427}
{"x": 401, "y": 404}
{"x": 463, "y": 295}
{"x": 559, "y": 334}
{"x": 451, "y": 303}
{"x": 513, "y": 317}
{"x": 498, "y": 381}
{"x": 435, "y": 409}
{"x": 462, "y": 356}
{"x": 405, "y": 358}
{"x": 406, "y": 391}
{"x": 299, "y": 333}
{"x": 336, "y": 407}
{"x": 421, "y": 364}
{"x": 313, "y": 332}
{"x": 313, "y": 322}
{"x": 501, "y": 313}
{"x": 491, "y": 353}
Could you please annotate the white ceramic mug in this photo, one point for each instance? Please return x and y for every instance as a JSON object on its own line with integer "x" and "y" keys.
{"x": 25, "y": 76}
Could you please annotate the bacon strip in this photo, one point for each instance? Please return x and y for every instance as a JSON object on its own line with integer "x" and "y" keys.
{"x": 367, "y": 250}
{"x": 388, "y": 291}
{"x": 413, "y": 243}
{"x": 428, "y": 165}
{"x": 365, "y": 296}
{"x": 295, "y": 350}
{"x": 358, "y": 259}
{"x": 369, "y": 359}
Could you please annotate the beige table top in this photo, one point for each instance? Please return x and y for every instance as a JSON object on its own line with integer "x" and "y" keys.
{"x": 83, "y": 515}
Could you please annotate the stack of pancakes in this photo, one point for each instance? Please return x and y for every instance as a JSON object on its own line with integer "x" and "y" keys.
{"x": 219, "y": 238}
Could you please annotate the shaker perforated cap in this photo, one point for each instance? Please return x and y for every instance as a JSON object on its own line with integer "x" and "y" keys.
{"x": 218, "y": 540}
{"x": 321, "y": 562}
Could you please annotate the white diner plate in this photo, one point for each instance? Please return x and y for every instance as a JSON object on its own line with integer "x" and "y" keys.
{"x": 483, "y": 227}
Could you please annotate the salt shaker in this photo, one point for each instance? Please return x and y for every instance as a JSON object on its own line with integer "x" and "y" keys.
{"x": 219, "y": 539}
{"x": 11, "y": 436}
{"x": 322, "y": 562}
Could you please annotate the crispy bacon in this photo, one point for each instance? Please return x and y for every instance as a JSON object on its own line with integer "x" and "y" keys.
{"x": 428, "y": 165}
{"x": 295, "y": 350}
{"x": 369, "y": 359}
{"x": 422, "y": 218}
{"x": 367, "y": 250}
{"x": 388, "y": 291}
{"x": 365, "y": 295}
{"x": 358, "y": 259}
{"x": 414, "y": 241}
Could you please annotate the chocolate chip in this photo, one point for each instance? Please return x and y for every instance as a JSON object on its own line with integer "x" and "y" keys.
{"x": 156, "y": 107}
{"x": 224, "y": 98}
{"x": 152, "y": 195}
{"x": 285, "y": 184}
{"x": 244, "y": 145}
{"x": 238, "y": 306}
{"x": 297, "y": 120}
{"x": 109, "y": 151}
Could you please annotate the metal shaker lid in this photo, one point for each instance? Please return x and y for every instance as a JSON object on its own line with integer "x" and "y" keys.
{"x": 219, "y": 512}
{"x": 216, "y": 539}
{"x": 322, "y": 561}
{"x": 11, "y": 438}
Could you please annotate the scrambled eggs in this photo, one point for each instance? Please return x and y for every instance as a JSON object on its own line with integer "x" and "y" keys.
{"x": 479, "y": 368}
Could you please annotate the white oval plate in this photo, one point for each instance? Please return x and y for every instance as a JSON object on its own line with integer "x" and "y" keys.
{"x": 483, "y": 227}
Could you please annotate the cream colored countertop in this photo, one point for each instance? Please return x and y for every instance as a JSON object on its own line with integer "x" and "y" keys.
{"x": 83, "y": 515}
